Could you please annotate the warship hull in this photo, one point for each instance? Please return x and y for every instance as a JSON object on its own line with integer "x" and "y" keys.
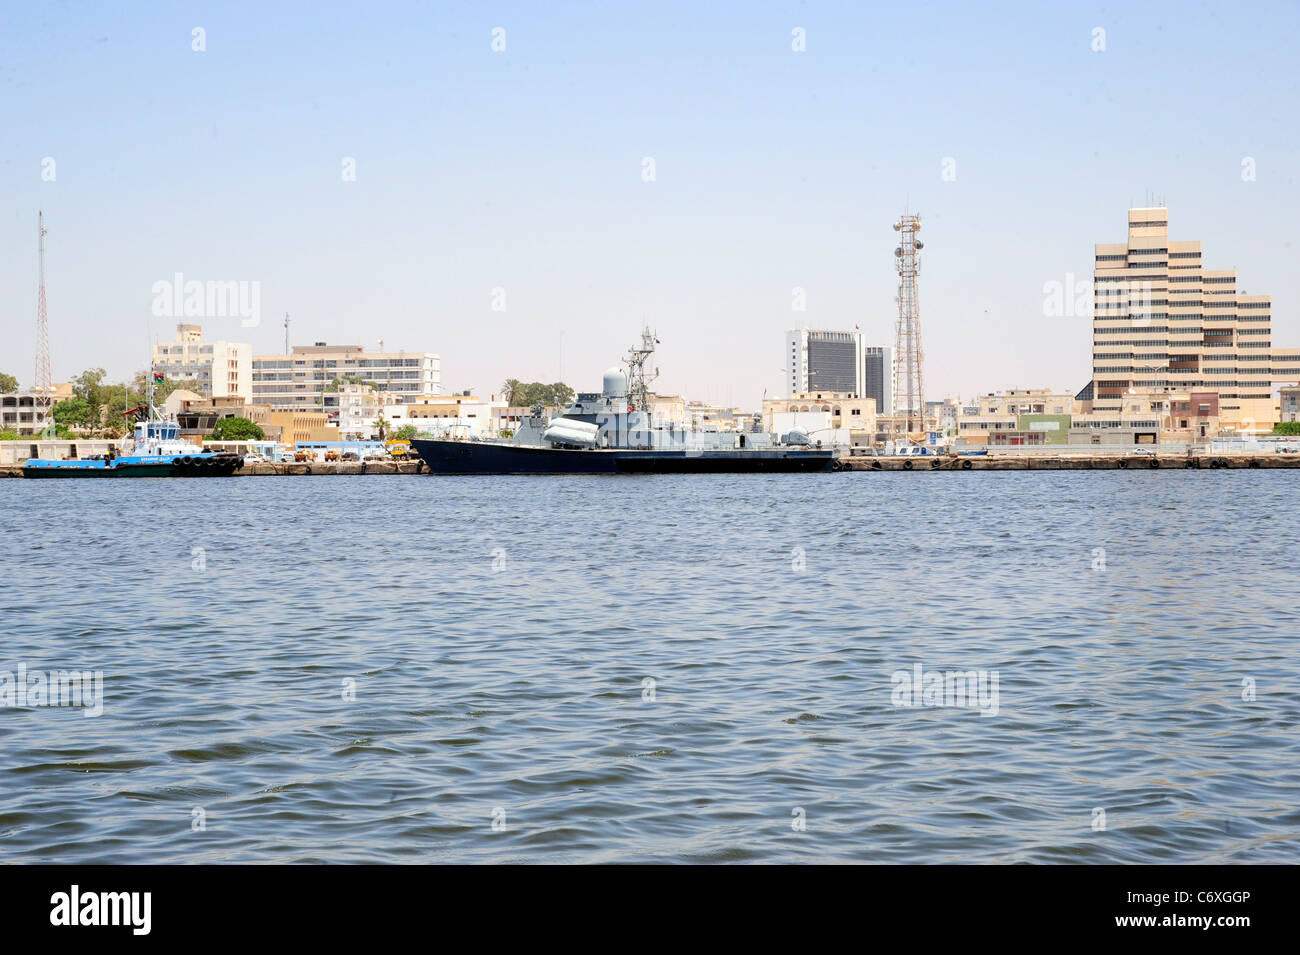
{"x": 476, "y": 457}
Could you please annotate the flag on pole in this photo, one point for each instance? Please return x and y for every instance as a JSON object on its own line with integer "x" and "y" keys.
{"x": 159, "y": 376}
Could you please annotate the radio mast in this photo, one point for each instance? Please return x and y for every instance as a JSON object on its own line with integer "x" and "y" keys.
{"x": 909, "y": 377}
{"x": 42, "y": 388}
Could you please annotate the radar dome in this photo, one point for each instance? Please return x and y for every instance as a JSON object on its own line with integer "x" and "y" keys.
{"x": 615, "y": 383}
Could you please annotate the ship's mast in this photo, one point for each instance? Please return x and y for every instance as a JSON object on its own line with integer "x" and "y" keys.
{"x": 149, "y": 385}
{"x": 638, "y": 375}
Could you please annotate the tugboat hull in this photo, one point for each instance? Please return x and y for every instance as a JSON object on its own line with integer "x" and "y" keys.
{"x": 474, "y": 457}
{"x": 208, "y": 465}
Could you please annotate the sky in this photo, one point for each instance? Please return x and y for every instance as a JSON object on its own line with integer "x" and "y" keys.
{"x": 502, "y": 214}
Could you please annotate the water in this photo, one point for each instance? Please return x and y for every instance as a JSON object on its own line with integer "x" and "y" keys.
{"x": 499, "y": 632}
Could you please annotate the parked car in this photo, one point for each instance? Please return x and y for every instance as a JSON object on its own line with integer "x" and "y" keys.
{"x": 350, "y": 456}
{"x": 254, "y": 459}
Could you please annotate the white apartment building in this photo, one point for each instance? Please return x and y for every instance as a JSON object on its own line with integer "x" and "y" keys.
{"x": 360, "y": 407}
{"x": 454, "y": 416}
{"x": 221, "y": 369}
{"x": 299, "y": 381}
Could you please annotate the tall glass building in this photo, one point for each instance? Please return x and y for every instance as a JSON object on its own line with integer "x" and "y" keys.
{"x": 820, "y": 360}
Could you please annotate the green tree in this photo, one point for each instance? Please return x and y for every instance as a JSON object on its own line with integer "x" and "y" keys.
{"x": 524, "y": 395}
{"x": 161, "y": 389}
{"x": 237, "y": 429}
{"x": 381, "y": 425}
{"x": 405, "y": 433}
{"x": 1290, "y": 428}
{"x": 560, "y": 394}
{"x": 8, "y": 384}
{"x": 344, "y": 380}
{"x": 89, "y": 386}
{"x": 75, "y": 413}
{"x": 8, "y": 434}
{"x": 117, "y": 400}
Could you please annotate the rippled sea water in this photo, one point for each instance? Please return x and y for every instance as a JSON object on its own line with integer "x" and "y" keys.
{"x": 500, "y": 633}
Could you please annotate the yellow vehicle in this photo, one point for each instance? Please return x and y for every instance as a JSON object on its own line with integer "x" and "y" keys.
{"x": 399, "y": 449}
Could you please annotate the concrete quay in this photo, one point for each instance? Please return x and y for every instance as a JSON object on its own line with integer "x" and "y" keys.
{"x": 1069, "y": 462}
{"x": 991, "y": 462}
{"x": 295, "y": 468}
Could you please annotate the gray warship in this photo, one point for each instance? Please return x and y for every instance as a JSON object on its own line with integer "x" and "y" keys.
{"x": 614, "y": 432}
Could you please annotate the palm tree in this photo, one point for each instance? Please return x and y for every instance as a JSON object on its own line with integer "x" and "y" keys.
{"x": 512, "y": 391}
{"x": 381, "y": 426}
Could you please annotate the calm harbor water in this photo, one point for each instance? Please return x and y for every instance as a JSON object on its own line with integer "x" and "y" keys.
{"x": 417, "y": 669}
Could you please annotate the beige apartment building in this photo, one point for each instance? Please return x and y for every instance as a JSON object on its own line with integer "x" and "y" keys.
{"x": 24, "y": 411}
{"x": 301, "y": 426}
{"x": 1162, "y": 321}
{"x": 1290, "y": 403}
{"x": 1019, "y": 416}
{"x": 222, "y": 369}
{"x": 459, "y": 415}
{"x": 844, "y": 410}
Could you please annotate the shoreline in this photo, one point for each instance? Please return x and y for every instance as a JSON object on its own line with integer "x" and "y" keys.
{"x": 972, "y": 463}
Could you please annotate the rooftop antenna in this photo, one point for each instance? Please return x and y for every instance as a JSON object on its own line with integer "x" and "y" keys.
{"x": 286, "y": 333}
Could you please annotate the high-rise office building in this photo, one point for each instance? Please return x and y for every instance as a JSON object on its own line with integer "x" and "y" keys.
{"x": 842, "y": 362}
{"x": 878, "y": 377}
{"x": 1163, "y": 321}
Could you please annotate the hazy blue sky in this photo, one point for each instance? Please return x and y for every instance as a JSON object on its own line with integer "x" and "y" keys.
{"x": 522, "y": 170}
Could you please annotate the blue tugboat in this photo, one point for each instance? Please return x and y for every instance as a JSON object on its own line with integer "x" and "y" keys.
{"x": 156, "y": 450}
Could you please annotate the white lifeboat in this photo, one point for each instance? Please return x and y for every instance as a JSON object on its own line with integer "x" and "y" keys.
{"x": 571, "y": 432}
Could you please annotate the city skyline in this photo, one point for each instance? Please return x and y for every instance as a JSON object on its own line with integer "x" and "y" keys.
{"x": 523, "y": 184}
